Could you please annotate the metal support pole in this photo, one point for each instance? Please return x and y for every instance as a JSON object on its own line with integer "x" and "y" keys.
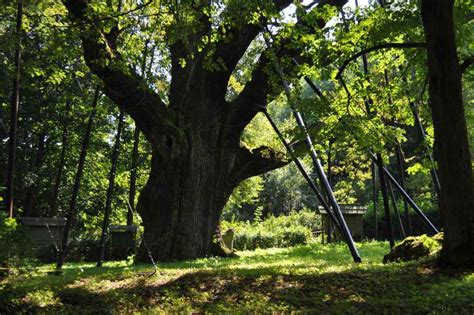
{"x": 342, "y": 227}
{"x": 407, "y": 198}
{"x": 394, "y": 182}
{"x": 300, "y": 167}
{"x": 395, "y": 208}
{"x": 319, "y": 169}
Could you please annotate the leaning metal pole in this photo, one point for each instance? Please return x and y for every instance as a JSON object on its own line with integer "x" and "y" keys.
{"x": 390, "y": 178}
{"x": 301, "y": 168}
{"x": 342, "y": 229}
{"x": 319, "y": 169}
{"x": 407, "y": 198}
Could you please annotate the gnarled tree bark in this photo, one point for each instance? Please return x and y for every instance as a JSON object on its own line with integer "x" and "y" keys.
{"x": 197, "y": 158}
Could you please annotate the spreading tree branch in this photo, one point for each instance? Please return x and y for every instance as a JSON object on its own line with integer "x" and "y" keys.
{"x": 242, "y": 35}
{"x": 374, "y": 48}
{"x": 255, "y": 93}
{"x": 121, "y": 83}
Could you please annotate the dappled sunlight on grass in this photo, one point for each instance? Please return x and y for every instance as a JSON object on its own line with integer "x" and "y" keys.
{"x": 312, "y": 278}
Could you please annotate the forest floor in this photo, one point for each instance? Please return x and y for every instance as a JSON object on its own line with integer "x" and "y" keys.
{"x": 311, "y": 278}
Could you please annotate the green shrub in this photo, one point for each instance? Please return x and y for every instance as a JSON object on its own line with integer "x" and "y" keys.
{"x": 282, "y": 231}
{"x": 17, "y": 250}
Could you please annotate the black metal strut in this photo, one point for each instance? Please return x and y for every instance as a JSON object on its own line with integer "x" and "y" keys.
{"x": 405, "y": 195}
{"x": 317, "y": 164}
{"x": 301, "y": 168}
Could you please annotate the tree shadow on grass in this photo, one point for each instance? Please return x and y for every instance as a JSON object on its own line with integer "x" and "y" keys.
{"x": 416, "y": 288}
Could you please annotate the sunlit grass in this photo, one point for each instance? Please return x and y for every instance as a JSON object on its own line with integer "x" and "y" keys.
{"x": 309, "y": 278}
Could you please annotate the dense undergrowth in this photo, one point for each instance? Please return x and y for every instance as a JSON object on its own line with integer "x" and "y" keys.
{"x": 293, "y": 229}
{"x": 309, "y": 278}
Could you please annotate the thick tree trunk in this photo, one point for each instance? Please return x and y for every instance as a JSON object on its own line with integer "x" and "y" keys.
{"x": 182, "y": 202}
{"x": 196, "y": 156}
{"x": 456, "y": 197}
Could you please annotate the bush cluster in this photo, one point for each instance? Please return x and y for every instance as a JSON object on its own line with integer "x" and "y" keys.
{"x": 282, "y": 231}
{"x": 17, "y": 250}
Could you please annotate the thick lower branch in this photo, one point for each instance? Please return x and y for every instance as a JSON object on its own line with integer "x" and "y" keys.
{"x": 257, "y": 161}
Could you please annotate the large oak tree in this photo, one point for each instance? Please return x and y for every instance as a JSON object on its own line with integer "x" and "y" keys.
{"x": 197, "y": 157}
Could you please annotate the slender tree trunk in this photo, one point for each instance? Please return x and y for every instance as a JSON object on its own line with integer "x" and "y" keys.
{"x": 62, "y": 161}
{"x": 374, "y": 198}
{"x": 110, "y": 190}
{"x": 71, "y": 214}
{"x": 392, "y": 195}
{"x": 433, "y": 172}
{"x": 395, "y": 208}
{"x": 401, "y": 170}
{"x": 383, "y": 188}
{"x": 133, "y": 176}
{"x": 367, "y": 103}
{"x": 15, "y": 103}
{"x": 30, "y": 198}
{"x": 456, "y": 200}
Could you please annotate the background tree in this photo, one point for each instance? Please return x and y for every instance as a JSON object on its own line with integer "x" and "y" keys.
{"x": 457, "y": 191}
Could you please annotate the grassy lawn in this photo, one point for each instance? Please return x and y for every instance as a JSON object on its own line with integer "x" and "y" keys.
{"x": 311, "y": 278}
